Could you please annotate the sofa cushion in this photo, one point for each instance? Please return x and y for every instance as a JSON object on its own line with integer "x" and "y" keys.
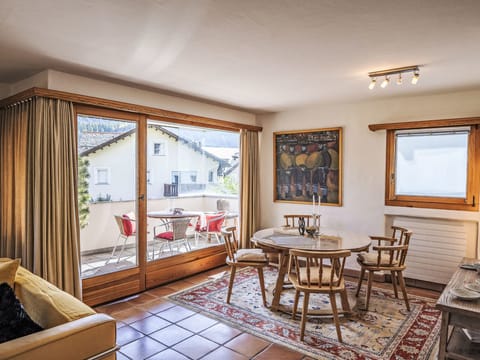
{"x": 14, "y": 321}
{"x": 8, "y": 271}
{"x": 46, "y": 304}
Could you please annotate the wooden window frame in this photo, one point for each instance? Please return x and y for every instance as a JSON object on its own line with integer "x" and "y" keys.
{"x": 470, "y": 203}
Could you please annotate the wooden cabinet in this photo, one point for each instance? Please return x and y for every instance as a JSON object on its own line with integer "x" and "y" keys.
{"x": 458, "y": 314}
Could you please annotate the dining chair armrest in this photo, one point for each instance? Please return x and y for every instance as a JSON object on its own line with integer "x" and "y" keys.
{"x": 379, "y": 239}
{"x": 165, "y": 225}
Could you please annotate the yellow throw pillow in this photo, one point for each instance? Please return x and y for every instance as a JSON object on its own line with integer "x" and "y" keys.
{"x": 8, "y": 270}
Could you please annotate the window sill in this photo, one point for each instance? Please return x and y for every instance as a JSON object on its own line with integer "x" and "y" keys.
{"x": 432, "y": 213}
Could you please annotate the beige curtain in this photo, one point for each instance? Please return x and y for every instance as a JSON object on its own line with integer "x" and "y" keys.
{"x": 48, "y": 241}
{"x": 13, "y": 155}
{"x": 249, "y": 186}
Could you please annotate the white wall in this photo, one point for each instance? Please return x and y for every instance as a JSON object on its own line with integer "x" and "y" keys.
{"x": 363, "y": 157}
{"x": 86, "y": 86}
{"x": 56, "y": 80}
{"x": 37, "y": 80}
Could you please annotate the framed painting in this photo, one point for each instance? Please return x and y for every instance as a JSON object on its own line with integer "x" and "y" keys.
{"x": 308, "y": 164}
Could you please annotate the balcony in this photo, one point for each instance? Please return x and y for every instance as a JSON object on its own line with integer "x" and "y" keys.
{"x": 102, "y": 233}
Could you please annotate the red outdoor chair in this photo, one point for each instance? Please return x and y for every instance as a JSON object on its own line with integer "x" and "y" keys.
{"x": 213, "y": 227}
{"x": 127, "y": 227}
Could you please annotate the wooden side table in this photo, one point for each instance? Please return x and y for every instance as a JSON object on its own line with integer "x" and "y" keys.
{"x": 458, "y": 314}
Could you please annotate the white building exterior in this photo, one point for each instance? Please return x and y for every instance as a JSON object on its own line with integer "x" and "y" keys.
{"x": 170, "y": 159}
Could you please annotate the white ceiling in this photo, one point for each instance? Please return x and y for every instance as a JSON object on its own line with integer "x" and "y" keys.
{"x": 259, "y": 55}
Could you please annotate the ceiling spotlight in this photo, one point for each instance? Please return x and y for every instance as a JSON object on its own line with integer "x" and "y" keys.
{"x": 385, "y": 82}
{"x": 415, "y": 69}
{"x": 415, "y": 77}
{"x": 399, "y": 80}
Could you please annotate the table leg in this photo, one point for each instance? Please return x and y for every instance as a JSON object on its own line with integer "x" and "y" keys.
{"x": 282, "y": 271}
{"x": 442, "y": 347}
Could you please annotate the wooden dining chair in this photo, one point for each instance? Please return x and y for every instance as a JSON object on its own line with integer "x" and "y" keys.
{"x": 318, "y": 272}
{"x": 389, "y": 258}
{"x": 238, "y": 258}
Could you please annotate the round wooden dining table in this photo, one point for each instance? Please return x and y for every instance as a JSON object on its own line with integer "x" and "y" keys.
{"x": 281, "y": 240}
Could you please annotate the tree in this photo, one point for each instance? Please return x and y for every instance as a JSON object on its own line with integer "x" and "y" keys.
{"x": 83, "y": 195}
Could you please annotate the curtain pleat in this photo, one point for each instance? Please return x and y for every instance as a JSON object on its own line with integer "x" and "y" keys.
{"x": 249, "y": 186}
{"x": 13, "y": 138}
{"x": 49, "y": 239}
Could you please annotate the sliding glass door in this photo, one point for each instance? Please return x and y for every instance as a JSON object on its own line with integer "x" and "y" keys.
{"x": 107, "y": 193}
{"x": 153, "y": 198}
{"x": 192, "y": 192}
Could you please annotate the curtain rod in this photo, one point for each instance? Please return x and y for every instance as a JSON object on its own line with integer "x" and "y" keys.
{"x": 124, "y": 106}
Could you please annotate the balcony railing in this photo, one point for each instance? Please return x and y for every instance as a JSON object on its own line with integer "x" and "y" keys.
{"x": 186, "y": 188}
{"x": 170, "y": 190}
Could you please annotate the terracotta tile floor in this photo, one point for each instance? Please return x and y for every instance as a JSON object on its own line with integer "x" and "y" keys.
{"x": 150, "y": 327}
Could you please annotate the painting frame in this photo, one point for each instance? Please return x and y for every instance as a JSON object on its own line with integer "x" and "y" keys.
{"x": 308, "y": 163}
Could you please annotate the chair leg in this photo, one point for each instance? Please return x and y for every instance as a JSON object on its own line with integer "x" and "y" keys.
{"x": 360, "y": 280}
{"x": 333, "y": 303}
{"x": 306, "y": 298}
{"x": 262, "y": 285}
{"x": 230, "y": 284}
{"x": 121, "y": 250}
{"x": 404, "y": 290}
{"x": 369, "y": 288}
{"x": 345, "y": 303}
{"x": 394, "y": 282}
{"x": 295, "y": 303}
{"x": 114, "y": 248}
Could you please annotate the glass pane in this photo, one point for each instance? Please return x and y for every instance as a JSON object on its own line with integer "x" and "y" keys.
{"x": 196, "y": 172}
{"x": 432, "y": 164}
{"x": 107, "y": 194}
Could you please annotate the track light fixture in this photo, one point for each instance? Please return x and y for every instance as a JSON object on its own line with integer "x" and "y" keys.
{"x": 415, "y": 77}
{"x": 385, "y": 82}
{"x": 415, "y": 69}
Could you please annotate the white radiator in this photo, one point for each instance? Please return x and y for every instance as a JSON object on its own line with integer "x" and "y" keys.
{"x": 437, "y": 246}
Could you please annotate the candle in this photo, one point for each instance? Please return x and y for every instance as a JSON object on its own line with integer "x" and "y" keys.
{"x": 313, "y": 204}
{"x": 319, "y": 201}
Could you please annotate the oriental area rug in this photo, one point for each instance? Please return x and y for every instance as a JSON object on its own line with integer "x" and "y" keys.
{"x": 386, "y": 331}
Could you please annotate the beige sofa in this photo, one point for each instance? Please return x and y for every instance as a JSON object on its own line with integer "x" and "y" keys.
{"x": 72, "y": 330}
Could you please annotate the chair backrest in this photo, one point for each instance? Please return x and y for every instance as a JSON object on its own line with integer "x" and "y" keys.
{"x": 125, "y": 224}
{"x": 179, "y": 228}
{"x": 401, "y": 254}
{"x": 223, "y": 205}
{"x": 398, "y": 233}
{"x": 215, "y": 222}
{"x": 318, "y": 268}
{"x": 396, "y": 254}
{"x": 231, "y": 244}
{"x": 291, "y": 220}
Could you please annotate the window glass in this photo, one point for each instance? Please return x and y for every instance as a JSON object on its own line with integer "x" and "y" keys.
{"x": 158, "y": 148}
{"x": 433, "y": 167}
{"x": 199, "y": 179}
{"x": 102, "y": 176}
{"x": 432, "y": 164}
